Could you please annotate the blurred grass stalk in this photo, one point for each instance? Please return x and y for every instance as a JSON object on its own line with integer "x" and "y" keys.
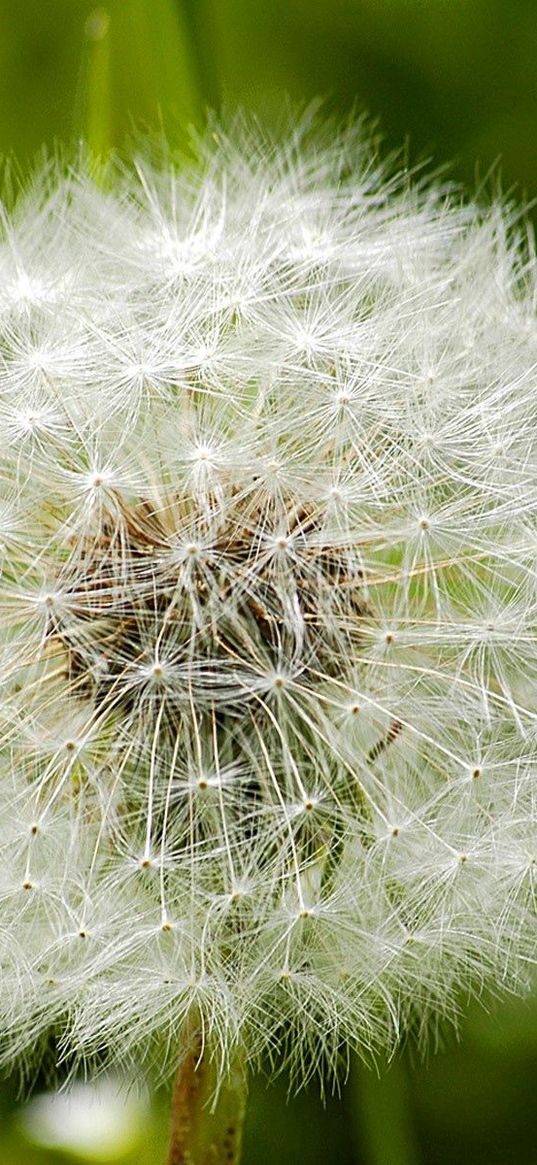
{"x": 196, "y": 20}
{"x": 97, "y": 114}
{"x": 383, "y": 1125}
{"x": 145, "y": 66}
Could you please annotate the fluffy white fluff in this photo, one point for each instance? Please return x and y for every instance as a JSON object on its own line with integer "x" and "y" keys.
{"x": 269, "y": 542}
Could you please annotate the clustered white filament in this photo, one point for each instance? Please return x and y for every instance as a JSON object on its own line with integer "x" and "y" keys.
{"x": 268, "y": 532}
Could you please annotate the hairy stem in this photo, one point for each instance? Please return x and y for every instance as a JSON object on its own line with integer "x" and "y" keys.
{"x": 206, "y": 1117}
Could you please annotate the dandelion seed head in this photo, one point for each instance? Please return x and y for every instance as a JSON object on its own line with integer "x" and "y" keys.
{"x": 269, "y": 605}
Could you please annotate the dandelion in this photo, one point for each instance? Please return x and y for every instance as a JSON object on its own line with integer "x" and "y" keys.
{"x": 268, "y": 543}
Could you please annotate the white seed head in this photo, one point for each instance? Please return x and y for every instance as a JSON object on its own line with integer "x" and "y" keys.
{"x": 269, "y": 595}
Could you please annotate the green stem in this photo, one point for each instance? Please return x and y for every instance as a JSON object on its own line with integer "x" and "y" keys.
{"x": 206, "y": 1116}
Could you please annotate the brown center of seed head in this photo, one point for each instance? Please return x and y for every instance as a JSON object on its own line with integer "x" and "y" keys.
{"x": 217, "y": 619}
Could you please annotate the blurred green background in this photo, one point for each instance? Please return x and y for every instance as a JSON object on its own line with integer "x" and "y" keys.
{"x": 457, "y": 80}
{"x": 457, "y": 77}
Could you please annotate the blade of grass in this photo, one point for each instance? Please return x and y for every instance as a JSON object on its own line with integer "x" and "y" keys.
{"x": 96, "y": 85}
{"x": 156, "y": 69}
{"x": 383, "y": 1125}
{"x": 138, "y": 72}
{"x": 196, "y": 20}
